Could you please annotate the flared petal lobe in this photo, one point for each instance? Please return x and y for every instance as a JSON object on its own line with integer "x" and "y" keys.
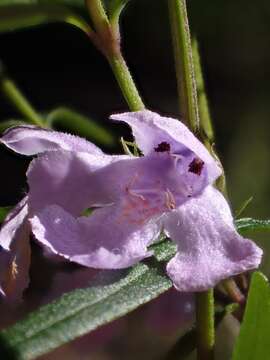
{"x": 150, "y": 130}
{"x": 102, "y": 240}
{"x": 15, "y": 252}
{"x": 66, "y": 178}
{"x": 32, "y": 140}
{"x": 209, "y": 248}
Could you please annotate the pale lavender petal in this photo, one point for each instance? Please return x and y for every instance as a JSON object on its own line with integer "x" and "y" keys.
{"x": 77, "y": 181}
{"x": 13, "y": 221}
{"x": 66, "y": 178}
{"x": 15, "y": 253}
{"x": 150, "y": 130}
{"x": 160, "y": 182}
{"x": 209, "y": 248}
{"x": 31, "y": 140}
{"x": 102, "y": 240}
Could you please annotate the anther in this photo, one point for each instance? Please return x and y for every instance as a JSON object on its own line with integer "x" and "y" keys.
{"x": 196, "y": 166}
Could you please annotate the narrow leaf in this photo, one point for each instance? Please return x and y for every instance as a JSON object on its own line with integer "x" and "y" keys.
{"x": 16, "y": 17}
{"x": 70, "y": 3}
{"x": 80, "y": 125}
{"x": 164, "y": 250}
{"x": 253, "y": 341}
{"x": 9, "y": 123}
{"x": 114, "y": 9}
{"x": 249, "y": 224}
{"x": 81, "y": 311}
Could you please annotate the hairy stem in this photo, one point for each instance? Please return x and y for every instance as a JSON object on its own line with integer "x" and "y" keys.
{"x": 98, "y": 14}
{"x": 108, "y": 41}
{"x": 126, "y": 82}
{"x": 186, "y": 83}
{"x": 205, "y": 325}
{"x": 205, "y": 118}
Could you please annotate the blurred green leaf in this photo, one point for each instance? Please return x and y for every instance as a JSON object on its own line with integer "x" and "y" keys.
{"x": 247, "y": 224}
{"x": 80, "y": 125}
{"x": 253, "y": 340}
{"x": 82, "y": 311}
{"x": 19, "y": 15}
{"x": 3, "y": 212}
{"x": 9, "y": 123}
{"x": 74, "y": 3}
{"x": 114, "y": 8}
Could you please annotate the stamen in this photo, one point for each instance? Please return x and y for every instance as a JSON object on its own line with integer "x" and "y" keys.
{"x": 14, "y": 268}
{"x": 163, "y": 147}
{"x": 196, "y": 166}
{"x": 170, "y": 200}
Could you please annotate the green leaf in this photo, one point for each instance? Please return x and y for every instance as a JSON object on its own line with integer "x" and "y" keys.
{"x": 9, "y": 123}
{"x": 3, "y": 212}
{"x": 22, "y": 15}
{"x": 253, "y": 340}
{"x": 72, "y": 3}
{"x": 248, "y": 224}
{"x": 80, "y": 125}
{"x": 114, "y": 9}
{"x": 81, "y": 311}
{"x": 164, "y": 250}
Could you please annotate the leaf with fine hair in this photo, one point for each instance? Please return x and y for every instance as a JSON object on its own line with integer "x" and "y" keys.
{"x": 81, "y": 311}
{"x": 249, "y": 224}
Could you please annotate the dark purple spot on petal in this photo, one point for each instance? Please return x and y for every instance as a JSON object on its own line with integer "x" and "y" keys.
{"x": 196, "y": 166}
{"x": 162, "y": 147}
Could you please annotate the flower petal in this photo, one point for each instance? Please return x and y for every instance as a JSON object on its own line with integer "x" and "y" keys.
{"x": 150, "y": 130}
{"x": 15, "y": 253}
{"x": 209, "y": 248}
{"x": 77, "y": 181}
{"x": 102, "y": 240}
{"x": 66, "y": 178}
{"x": 32, "y": 140}
{"x": 13, "y": 221}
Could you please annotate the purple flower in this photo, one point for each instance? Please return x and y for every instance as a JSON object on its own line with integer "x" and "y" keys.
{"x": 133, "y": 200}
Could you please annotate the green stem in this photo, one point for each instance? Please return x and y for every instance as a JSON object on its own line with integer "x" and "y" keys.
{"x": 186, "y": 83}
{"x": 206, "y": 130}
{"x": 108, "y": 41}
{"x": 14, "y": 95}
{"x": 205, "y": 325}
{"x": 126, "y": 83}
{"x": 98, "y": 14}
{"x": 205, "y": 118}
